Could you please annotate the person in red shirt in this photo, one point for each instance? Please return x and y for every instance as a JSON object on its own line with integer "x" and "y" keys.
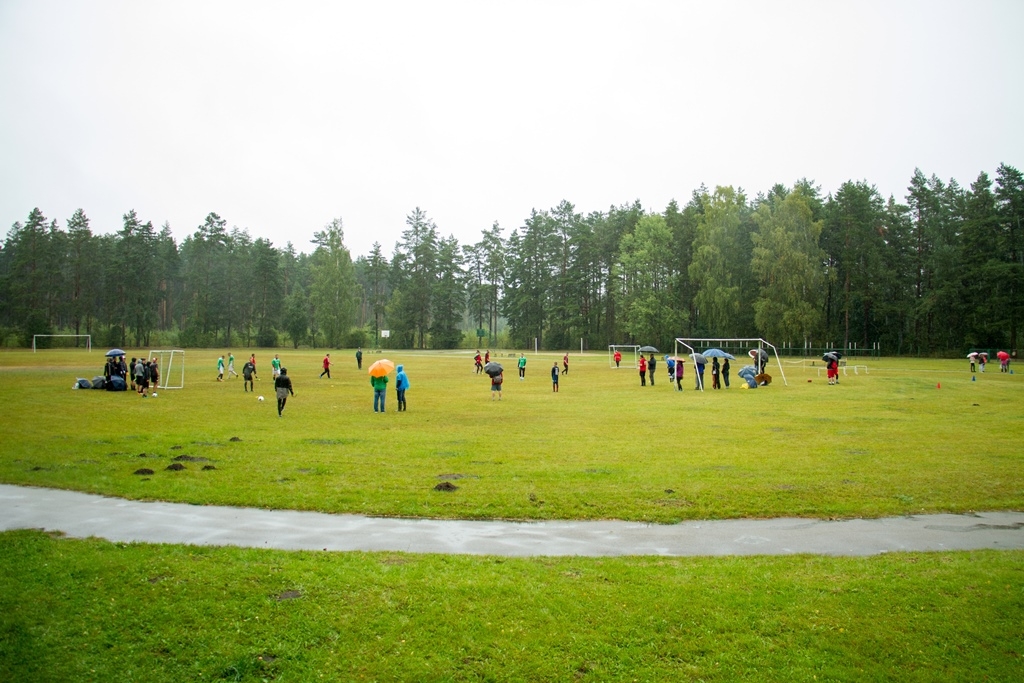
{"x": 565, "y": 364}
{"x": 643, "y": 371}
{"x": 327, "y": 367}
{"x": 476, "y": 360}
{"x": 618, "y": 358}
{"x": 487, "y": 356}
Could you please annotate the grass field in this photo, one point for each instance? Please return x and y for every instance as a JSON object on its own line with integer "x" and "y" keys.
{"x": 888, "y": 442}
{"x": 884, "y": 443}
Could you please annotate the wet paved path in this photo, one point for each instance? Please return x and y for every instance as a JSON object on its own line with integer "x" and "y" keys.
{"x": 82, "y": 515}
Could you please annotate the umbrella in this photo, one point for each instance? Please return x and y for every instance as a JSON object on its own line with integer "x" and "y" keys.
{"x": 1002, "y": 355}
{"x": 837, "y": 354}
{"x": 974, "y": 354}
{"x": 648, "y": 349}
{"x": 699, "y": 358}
{"x": 754, "y": 353}
{"x": 718, "y": 353}
{"x": 493, "y": 369}
{"x": 747, "y": 370}
{"x": 381, "y": 367}
{"x": 114, "y": 353}
{"x": 763, "y": 379}
{"x": 830, "y": 356}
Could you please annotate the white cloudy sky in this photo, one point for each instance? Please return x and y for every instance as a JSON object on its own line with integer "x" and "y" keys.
{"x": 280, "y": 116}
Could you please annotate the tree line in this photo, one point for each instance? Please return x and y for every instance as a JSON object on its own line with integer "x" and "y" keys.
{"x": 938, "y": 272}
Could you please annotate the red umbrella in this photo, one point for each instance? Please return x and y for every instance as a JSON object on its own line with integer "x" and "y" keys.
{"x": 1003, "y": 355}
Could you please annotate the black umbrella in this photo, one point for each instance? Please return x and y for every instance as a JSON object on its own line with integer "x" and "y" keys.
{"x": 837, "y": 354}
{"x": 114, "y": 353}
{"x": 754, "y": 353}
{"x": 493, "y": 369}
{"x": 699, "y": 358}
{"x": 648, "y": 349}
{"x": 830, "y": 356}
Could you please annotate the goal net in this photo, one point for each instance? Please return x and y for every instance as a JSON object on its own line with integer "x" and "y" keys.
{"x": 172, "y": 367}
{"x": 747, "y": 351}
{"x": 61, "y": 341}
{"x": 629, "y": 353}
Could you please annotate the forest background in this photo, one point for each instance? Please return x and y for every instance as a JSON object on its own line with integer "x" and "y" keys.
{"x": 935, "y": 274}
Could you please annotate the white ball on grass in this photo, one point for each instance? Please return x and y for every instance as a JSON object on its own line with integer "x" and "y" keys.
{"x": 260, "y": 398}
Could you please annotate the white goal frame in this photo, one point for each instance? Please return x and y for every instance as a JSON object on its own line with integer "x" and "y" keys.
{"x": 696, "y": 344}
{"x": 635, "y": 348}
{"x": 88, "y": 340}
{"x": 169, "y": 362}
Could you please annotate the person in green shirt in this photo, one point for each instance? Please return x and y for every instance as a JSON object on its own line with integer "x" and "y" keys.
{"x": 231, "y": 365}
{"x": 380, "y": 385}
{"x": 522, "y": 367}
{"x": 220, "y": 369}
{"x": 275, "y": 366}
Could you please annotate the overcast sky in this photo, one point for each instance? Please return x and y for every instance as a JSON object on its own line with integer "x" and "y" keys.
{"x": 280, "y": 116}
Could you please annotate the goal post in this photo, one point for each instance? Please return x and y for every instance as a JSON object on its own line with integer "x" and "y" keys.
{"x": 172, "y": 367}
{"x": 629, "y": 355}
{"x": 45, "y": 341}
{"x": 742, "y": 345}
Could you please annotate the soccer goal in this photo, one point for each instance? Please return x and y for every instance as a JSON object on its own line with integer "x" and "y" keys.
{"x": 172, "y": 367}
{"x": 629, "y": 355}
{"x": 742, "y": 348}
{"x": 61, "y": 341}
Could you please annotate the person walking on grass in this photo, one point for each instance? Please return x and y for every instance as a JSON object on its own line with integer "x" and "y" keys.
{"x": 327, "y": 367}
{"x": 617, "y": 357}
{"x": 670, "y": 363}
{"x": 679, "y": 374}
{"x": 141, "y": 371}
{"x": 154, "y": 374}
{"x": 565, "y": 363}
{"x": 643, "y": 370}
{"x": 131, "y": 373}
{"x": 275, "y": 367}
{"x": 231, "y": 365}
{"x": 522, "y": 367}
{"x": 651, "y": 364}
{"x": 477, "y": 362}
{"x": 283, "y": 387}
{"x": 359, "y": 358}
{"x": 380, "y": 387}
{"x": 401, "y": 384}
{"x": 248, "y": 372}
{"x": 220, "y": 369}
{"x": 554, "y": 377}
{"x": 496, "y": 381}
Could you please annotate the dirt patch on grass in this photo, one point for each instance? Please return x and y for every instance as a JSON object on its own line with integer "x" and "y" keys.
{"x": 208, "y": 467}
{"x": 190, "y": 458}
{"x": 175, "y": 467}
{"x": 446, "y": 486}
{"x": 235, "y": 438}
{"x": 143, "y": 470}
{"x": 288, "y": 595}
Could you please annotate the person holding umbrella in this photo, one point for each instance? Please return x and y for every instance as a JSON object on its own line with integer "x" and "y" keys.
{"x": 379, "y": 371}
{"x": 1004, "y": 361}
{"x": 651, "y": 365}
{"x": 973, "y": 357}
{"x": 496, "y": 373}
{"x": 715, "y": 373}
{"x": 982, "y": 359}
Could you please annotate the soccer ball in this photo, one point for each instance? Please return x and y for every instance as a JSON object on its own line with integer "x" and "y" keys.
{"x": 155, "y": 394}
{"x": 259, "y": 398}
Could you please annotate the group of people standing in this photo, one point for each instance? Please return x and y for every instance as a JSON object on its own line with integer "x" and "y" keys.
{"x": 676, "y": 368}
{"x": 138, "y": 375}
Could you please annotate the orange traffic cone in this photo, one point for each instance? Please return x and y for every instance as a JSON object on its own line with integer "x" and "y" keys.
{"x": 939, "y": 385}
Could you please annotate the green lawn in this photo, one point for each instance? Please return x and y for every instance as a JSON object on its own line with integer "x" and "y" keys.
{"x": 95, "y": 611}
{"x": 884, "y": 443}
{"x": 888, "y": 442}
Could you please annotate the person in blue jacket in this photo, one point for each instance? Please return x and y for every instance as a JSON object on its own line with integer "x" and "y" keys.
{"x": 401, "y": 384}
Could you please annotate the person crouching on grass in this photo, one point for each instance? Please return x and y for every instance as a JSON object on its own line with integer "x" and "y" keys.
{"x": 496, "y": 381}
{"x": 554, "y": 377}
{"x": 283, "y": 387}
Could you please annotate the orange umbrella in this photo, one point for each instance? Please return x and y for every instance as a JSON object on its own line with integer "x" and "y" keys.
{"x": 381, "y": 367}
